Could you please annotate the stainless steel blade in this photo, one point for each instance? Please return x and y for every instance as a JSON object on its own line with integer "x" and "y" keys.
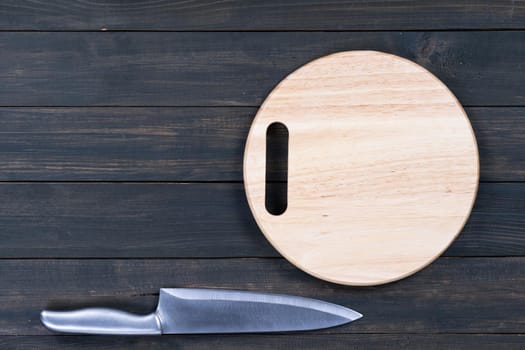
{"x": 226, "y": 311}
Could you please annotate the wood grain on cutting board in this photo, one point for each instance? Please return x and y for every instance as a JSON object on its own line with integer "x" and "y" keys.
{"x": 382, "y": 167}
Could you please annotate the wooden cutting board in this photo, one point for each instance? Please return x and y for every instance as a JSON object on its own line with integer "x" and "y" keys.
{"x": 382, "y": 168}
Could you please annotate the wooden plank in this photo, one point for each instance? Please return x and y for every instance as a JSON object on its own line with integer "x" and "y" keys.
{"x": 166, "y": 144}
{"x": 231, "y": 68}
{"x": 185, "y": 144}
{"x": 272, "y": 342}
{"x": 125, "y": 220}
{"x": 500, "y": 134}
{"x": 453, "y": 295}
{"x": 260, "y": 15}
{"x": 194, "y": 220}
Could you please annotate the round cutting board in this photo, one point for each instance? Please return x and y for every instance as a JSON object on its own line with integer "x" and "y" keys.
{"x": 382, "y": 167}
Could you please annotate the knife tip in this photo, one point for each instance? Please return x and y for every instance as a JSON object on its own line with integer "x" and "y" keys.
{"x": 351, "y": 315}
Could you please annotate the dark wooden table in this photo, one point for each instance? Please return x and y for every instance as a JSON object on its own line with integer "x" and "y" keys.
{"x": 122, "y": 127}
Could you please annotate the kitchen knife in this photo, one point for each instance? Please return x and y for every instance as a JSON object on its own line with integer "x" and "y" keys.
{"x": 188, "y": 310}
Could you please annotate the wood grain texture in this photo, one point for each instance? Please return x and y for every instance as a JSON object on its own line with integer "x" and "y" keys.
{"x": 383, "y": 168}
{"x": 220, "y": 69}
{"x": 272, "y": 342}
{"x": 186, "y": 144}
{"x": 260, "y": 15}
{"x": 123, "y": 144}
{"x": 447, "y": 297}
{"x": 194, "y": 220}
{"x": 498, "y": 153}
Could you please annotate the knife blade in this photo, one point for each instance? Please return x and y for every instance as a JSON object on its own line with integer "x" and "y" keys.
{"x": 193, "y": 311}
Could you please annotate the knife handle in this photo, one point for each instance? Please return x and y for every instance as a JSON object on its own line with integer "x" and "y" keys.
{"x": 101, "y": 321}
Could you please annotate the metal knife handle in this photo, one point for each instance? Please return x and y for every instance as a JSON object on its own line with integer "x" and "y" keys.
{"x": 101, "y": 321}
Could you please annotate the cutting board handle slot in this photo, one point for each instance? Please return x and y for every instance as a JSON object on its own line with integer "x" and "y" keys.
{"x": 276, "y": 181}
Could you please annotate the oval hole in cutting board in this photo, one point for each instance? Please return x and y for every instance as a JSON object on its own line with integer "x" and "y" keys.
{"x": 276, "y": 193}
